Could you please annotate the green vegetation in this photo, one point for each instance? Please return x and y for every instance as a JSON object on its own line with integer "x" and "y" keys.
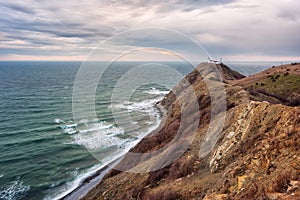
{"x": 277, "y": 88}
{"x": 279, "y": 84}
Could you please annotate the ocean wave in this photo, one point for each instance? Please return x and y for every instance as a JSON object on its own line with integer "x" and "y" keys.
{"x": 103, "y": 126}
{"x": 70, "y": 131}
{"x": 145, "y": 107}
{"x": 14, "y": 190}
{"x": 59, "y": 121}
{"x": 98, "y": 135}
{"x": 55, "y": 184}
{"x": 155, "y": 91}
{"x": 72, "y": 128}
{"x": 96, "y": 140}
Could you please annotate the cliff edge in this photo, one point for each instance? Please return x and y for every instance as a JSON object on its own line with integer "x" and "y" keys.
{"x": 256, "y": 154}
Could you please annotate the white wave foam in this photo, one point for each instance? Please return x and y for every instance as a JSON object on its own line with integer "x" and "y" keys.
{"x": 99, "y": 135}
{"x": 70, "y": 130}
{"x": 68, "y": 126}
{"x": 55, "y": 184}
{"x": 100, "y": 126}
{"x": 59, "y": 121}
{"x": 155, "y": 91}
{"x": 1, "y": 175}
{"x": 96, "y": 140}
{"x": 13, "y": 190}
{"x": 147, "y": 115}
{"x": 146, "y": 107}
{"x": 75, "y": 172}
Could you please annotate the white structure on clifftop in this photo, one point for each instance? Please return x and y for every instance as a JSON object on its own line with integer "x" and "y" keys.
{"x": 214, "y": 61}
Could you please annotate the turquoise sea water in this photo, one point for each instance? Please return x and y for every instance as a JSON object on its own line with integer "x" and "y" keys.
{"x": 40, "y": 160}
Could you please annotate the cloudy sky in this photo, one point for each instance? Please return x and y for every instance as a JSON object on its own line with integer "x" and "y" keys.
{"x": 69, "y": 30}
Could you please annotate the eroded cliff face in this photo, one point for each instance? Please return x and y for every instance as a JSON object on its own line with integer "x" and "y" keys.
{"x": 256, "y": 154}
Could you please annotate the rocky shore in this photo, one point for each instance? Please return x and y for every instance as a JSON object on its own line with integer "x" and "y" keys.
{"x": 256, "y": 154}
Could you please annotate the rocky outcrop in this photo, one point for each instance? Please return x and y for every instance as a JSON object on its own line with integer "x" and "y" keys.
{"x": 256, "y": 155}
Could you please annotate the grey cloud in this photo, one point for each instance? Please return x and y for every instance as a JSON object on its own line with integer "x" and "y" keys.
{"x": 163, "y": 7}
{"x": 190, "y": 5}
{"x": 61, "y": 29}
{"x": 19, "y": 8}
{"x": 24, "y": 51}
{"x": 30, "y": 39}
{"x": 292, "y": 16}
{"x": 230, "y": 26}
{"x": 35, "y": 52}
{"x": 289, "y": 11}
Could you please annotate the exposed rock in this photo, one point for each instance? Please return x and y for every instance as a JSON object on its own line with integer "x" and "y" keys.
{"x": 296, "y": 164}
{"x": 244, "y": 181}
{"x": 275, "y": 195}
{"x": 215, "y": 197}
{"x": 293, "y": 187}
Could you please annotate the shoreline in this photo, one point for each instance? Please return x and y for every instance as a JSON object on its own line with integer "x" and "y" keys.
{"x": 95, "y": 178}
{"x": 90, "y": 182}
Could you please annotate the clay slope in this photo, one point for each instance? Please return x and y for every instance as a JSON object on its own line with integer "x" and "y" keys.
{"x": 256, "y": 155}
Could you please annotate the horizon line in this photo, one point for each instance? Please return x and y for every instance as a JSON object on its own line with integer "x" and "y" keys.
{"x": 284, "y": 61}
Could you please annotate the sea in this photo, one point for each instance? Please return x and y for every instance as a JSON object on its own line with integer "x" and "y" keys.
{"x": 45, "y": 153}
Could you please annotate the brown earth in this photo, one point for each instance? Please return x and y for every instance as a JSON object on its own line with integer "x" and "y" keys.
{"x": 256, "y": 154}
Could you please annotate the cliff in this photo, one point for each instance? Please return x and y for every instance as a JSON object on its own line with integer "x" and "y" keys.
{"x": 256, "y": 154}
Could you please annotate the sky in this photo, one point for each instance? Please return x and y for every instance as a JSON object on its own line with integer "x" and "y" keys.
{"x": 70, "y": 30}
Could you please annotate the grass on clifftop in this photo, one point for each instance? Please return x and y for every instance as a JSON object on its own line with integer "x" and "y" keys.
{"x": 279, "y": 84}
{"x": 277, "y": 88}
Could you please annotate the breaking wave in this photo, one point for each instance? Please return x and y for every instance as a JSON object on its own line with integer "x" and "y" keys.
{"x": 14, "y": 190}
